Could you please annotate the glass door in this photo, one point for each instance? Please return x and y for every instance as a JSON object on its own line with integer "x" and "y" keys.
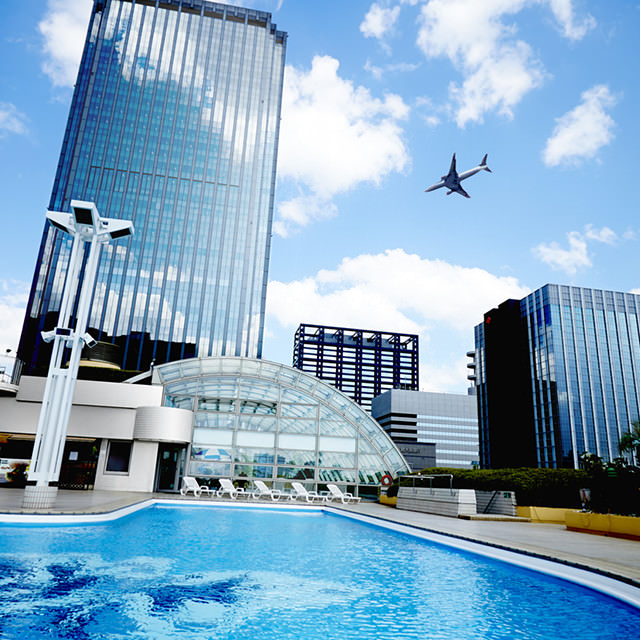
{"x": 170, "y": 467}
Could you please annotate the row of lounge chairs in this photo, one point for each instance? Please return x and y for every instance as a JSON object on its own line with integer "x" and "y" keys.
{"x": 261, "y": 490}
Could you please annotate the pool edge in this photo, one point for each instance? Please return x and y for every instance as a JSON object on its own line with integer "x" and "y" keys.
{"x": 614, "y": 585}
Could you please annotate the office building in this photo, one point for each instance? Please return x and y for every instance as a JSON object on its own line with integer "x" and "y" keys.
{"x": 558, "y": 374}
{"x": 174, "y": 125}
{"x": 360, "y": 363}
{"x": 417, "y": 420}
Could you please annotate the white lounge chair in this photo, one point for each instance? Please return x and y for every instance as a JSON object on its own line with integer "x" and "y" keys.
{"x": 302, "y": 493}
{"x": 226, "y": 487}
{"x": 335, "y": 493}
{"x": 262, "y": 491}
{"x": 191, "y": 484}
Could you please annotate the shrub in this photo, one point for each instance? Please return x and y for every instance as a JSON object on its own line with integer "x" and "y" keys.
{"x": 533, "y": 487}
{"x": 614, "y": 489}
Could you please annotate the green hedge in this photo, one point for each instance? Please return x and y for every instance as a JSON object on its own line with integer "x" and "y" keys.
{"x": 533, "y": 487}
{"x": 610, "y": 492}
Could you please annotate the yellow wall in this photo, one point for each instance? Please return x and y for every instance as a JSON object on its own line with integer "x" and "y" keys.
{"x": 604, "y": 524}
{"x": 543, "y": 514}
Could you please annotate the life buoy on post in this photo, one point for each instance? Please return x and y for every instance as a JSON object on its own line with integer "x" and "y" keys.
{"x": 386, "y": 480}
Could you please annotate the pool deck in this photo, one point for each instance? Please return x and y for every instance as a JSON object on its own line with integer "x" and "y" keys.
{"x": 612, "y": 557}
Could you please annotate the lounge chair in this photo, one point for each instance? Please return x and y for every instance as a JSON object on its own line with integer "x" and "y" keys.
{"x": 300, "y": 492}
{"x": 191, "y": 484}
{"x": 262, "y": 491}
{"x": 226, "y": 487}
{"x": 335, "y": 493}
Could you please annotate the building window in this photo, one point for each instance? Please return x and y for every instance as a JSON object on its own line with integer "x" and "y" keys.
{"x": 118, "y": 457}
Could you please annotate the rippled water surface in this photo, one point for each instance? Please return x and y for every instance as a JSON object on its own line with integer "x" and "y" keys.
{"x": 202, "y": 573}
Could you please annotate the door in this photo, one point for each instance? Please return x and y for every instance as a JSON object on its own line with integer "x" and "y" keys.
{"x": 170, "y": 467}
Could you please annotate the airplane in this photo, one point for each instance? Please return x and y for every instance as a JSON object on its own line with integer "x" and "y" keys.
{"x": 453, "y": 179}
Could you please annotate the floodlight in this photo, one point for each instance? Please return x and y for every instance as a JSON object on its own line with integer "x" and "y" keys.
{"x": 61, "y": 220}
{"x": 84, "y": 213}
{"x": 48, "y": 336}
{"x": 117, "y": 228}
{"x": 89, "y": 340}
{"x": 121, "y": 233}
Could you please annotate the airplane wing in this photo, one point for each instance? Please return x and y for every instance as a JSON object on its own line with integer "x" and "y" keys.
{"x": 460, "y": 190}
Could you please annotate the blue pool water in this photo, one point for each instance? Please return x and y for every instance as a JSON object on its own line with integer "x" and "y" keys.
{"x": 207, "y": 573}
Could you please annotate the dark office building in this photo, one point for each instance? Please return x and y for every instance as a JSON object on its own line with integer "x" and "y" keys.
{"x": 558, "y": 374}
{"x": 360, "y": 363}
{"x": 173, "y": 124}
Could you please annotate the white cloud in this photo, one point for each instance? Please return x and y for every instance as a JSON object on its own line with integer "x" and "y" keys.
{"x": 378, "y": 21}
{"x": 11, "y": 120}
{"x": 498, "y": 69}
{"x": 567, "y": 260}
{"x": 334, "y": 136}
{"x": 564, "y": 14}
{"x": 64, "y": 29}
{"x": 606, "y": 235}
{"x": 397, "y": 291}
{"x": 300, "y": 211}
{"x": 13, "y": 302}
{"x": 576, "y": 256}
{"x": 398, "y": 67}
{"x": 583, "y": 131}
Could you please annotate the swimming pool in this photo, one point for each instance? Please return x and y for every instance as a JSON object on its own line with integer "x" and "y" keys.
{"x": 210, "y": 572}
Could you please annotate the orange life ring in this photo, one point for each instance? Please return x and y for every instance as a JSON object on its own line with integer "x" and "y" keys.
{"x": 386, "y": 480}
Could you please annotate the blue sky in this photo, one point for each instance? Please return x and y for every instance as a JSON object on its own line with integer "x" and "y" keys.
{"x": 378, "y": 95}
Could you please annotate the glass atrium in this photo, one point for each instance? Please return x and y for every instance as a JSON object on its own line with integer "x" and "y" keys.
{"x": 259, "y": 419}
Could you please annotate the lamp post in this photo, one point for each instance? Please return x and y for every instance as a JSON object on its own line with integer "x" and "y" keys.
{"x": 85, "y": 225}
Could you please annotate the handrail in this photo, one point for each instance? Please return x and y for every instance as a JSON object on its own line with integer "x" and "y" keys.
{"x": 430, "y": 478}
{"x": 493, "y": 497}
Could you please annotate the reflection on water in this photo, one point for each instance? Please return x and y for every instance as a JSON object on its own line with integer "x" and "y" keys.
{"x": 214, "y": 573}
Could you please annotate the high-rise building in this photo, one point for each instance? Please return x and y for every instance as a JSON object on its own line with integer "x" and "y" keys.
{"x": 360, "y": 363}
{"x": 416, "y": 419}
{"x": 173, "y": 124}
{"x": 558, "y": 374}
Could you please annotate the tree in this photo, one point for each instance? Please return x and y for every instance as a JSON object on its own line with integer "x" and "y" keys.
{"x": 630, "y": 441}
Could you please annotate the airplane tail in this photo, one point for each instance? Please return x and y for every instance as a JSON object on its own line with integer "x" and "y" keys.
{"x": 483, "y": 164}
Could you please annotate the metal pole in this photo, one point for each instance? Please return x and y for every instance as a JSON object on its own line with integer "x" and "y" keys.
{"x": 85, "y": 225}
{"x": 45, "y": 438}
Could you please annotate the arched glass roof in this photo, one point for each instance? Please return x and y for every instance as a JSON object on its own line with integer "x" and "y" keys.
{"x": 260, "y": 419}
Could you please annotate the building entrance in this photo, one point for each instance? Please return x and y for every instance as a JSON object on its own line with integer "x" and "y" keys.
{"x": 170, "y": 467}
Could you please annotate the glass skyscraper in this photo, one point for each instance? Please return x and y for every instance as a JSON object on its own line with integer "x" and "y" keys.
{"x": 558, "y": 374}
{"x": 173, "y": 124}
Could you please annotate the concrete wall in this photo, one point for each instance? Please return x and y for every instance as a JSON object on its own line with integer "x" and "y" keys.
{"x": 99, "y": 410}
{"x": 96, "y": 394}
{"x": 163, "y": 424}
{"x": 556, "y": 515}
{"x": 141, "y": 473}
{"x": 442, "y": 502}
{"x": 499, "y": 502}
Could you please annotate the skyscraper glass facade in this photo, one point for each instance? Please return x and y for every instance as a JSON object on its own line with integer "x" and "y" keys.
{"x": 583, "y": 353}
{"x": 174, "y": 125}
